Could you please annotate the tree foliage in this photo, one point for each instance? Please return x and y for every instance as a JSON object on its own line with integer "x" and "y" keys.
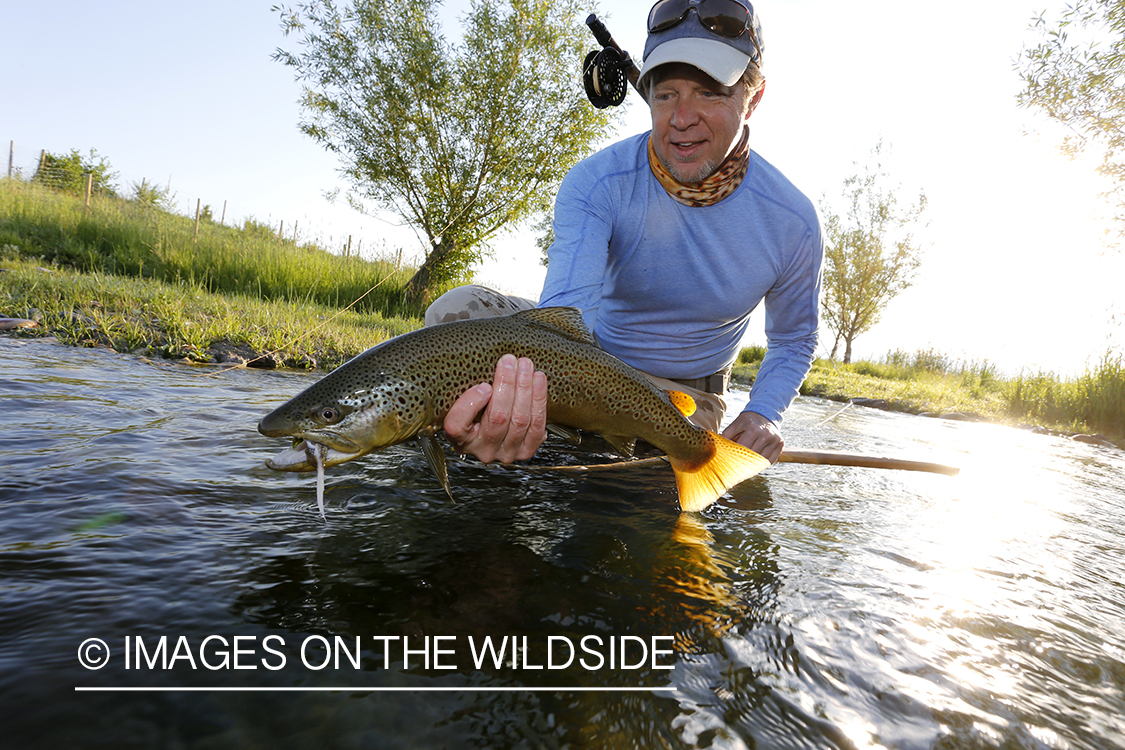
{"x": 870, "y": 253}
{"x": 459, "y": 140}
{"x": 1076, "y": 75}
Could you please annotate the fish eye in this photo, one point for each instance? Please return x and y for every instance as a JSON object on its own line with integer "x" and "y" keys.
{"x": 328, "y": 415}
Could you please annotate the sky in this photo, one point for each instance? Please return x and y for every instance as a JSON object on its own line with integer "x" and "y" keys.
{"x": 1014, "y": 271}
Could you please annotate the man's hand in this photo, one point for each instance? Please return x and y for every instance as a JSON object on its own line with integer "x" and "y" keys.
{"x": 505, "y": 421}
{"x": 757, "y": 433}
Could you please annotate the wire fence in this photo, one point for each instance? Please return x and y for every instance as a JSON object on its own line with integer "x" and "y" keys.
{"x": 22, "y": 163}
{"x": 60, "y": 172}
{"x": 32, "y": 165}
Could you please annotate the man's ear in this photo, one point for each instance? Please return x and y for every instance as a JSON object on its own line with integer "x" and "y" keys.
{"x": 755, "y": 101}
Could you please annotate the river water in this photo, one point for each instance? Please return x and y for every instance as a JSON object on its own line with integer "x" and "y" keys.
{"x": 812, "y": 607}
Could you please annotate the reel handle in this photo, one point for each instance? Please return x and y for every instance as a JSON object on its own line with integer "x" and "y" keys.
{"x": 604, "y": 38}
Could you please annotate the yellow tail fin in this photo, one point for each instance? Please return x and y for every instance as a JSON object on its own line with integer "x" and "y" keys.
{"x": 730, "y": 464}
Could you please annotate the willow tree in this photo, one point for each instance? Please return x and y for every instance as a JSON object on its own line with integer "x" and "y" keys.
{"x": 459, "y": 140}
{"x": 870, "y": 254}
{"x": 1076, "y": 75}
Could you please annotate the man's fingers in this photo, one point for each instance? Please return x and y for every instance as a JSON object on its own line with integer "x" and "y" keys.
{"x": 498, "y": 413}
{"x": 505, "y": 421}
{"x": 460, "y": 422}
{"x": 757, "y": 433}
{"x": 768, "y": 447}
{"x": 538, "y": 424}
{"x": 519, "y": 416}
{"x": 528, "y": 428}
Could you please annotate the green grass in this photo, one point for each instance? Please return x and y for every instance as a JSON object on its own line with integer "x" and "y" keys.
{"x": 930, "y": 382}
{"x": 137, "y": 278}
{"x": 184, "y": 320}
{"x": 126, "y": 238}
{"x": 1094, "y": 400}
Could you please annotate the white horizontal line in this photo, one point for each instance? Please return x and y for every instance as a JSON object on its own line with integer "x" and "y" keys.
{"x": 352, "y": 689}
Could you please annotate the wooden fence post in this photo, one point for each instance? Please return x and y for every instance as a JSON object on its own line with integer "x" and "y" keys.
{"x": 11, "y": 157}
{"x": 223, "y": 220}
{"x": 89, "y": 186}
{"x": 195, "y": 235}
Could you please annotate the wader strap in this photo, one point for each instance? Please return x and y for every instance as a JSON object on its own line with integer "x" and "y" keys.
{"x": 716, "y": 383}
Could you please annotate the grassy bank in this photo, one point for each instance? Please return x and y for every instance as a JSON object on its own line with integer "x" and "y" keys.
{"x": 928, "y": 382}
{"x": 130, "y": 238}
{"x": 134, "y": 277}
{"x": 185, "y": 321}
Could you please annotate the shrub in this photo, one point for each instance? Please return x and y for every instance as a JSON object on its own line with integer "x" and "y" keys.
{"x": 68, "y": 173}
{"x": 751, "y": 354}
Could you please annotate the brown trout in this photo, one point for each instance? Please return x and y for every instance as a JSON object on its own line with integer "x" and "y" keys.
{"x": 403, "y": 388}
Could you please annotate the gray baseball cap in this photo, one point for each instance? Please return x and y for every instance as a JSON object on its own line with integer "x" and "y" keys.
{"x": 689, "y": 41}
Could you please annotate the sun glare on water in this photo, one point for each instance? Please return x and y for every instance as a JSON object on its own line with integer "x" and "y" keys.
{"x": 987, "y": 548}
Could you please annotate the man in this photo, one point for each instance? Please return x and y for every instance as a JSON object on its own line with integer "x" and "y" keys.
{"x": 667, "y": 241}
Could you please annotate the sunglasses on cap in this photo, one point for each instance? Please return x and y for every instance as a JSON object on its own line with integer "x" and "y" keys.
{"x": 727, "y": 18}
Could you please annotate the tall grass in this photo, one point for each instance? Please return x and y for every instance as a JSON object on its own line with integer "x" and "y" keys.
{"x": 180, "y": 320}
{"x": 1095, "y": 400}
{"x": 127, "y": 238}
{"x": 927, "y": 380}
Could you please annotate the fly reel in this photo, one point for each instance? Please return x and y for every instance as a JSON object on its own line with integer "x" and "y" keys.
{"x": 603, "y": 74}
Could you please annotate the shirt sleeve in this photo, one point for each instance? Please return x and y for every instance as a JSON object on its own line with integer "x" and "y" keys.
{"x": 792, "y": 309}
{"x": 577, "y": 259}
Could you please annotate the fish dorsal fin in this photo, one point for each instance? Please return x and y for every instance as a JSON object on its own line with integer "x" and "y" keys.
{"x": 566, "y": 320}
{"x": 683, "y": 402}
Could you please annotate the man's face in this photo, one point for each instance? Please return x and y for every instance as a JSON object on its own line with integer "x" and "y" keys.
{"x": 696, "y": 121}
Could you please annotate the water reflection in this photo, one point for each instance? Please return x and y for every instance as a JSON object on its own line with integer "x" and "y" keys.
{"x": 565, "y": 562}
{"x": 811, "y": 607}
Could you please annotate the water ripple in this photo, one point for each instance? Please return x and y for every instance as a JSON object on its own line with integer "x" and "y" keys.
{"x": 812, "y": 607}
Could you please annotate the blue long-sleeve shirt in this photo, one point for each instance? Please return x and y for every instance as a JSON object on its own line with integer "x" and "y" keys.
{"x": 669, "y": 288}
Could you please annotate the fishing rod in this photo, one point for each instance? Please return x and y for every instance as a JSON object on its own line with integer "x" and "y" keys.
{"x": 823, "y": 458}
{"x": 606, "y": 71}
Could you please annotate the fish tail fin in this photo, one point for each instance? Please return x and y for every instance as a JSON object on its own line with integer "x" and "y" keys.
{"x": 701, "y": 484}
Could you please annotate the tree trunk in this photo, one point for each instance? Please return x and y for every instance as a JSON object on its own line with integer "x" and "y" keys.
{"x": 847, "y": 350}
{"x": 420, "y": 287}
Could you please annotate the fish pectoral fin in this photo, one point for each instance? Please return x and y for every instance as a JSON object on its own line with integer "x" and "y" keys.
{"x": 569, "y": 434}
{"x": 683, "y": 402}
{"x": 623, "y": 444}
{"x": 435, "y": 457}
{"x": 730, "y": 463}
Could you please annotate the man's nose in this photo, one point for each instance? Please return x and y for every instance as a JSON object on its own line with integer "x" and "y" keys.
{"x": 685, "y": 114}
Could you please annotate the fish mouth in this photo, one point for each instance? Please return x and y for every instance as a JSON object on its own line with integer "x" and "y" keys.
{"x": 300, "y": 456}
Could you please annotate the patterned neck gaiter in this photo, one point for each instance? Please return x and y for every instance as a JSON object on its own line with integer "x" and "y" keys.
{"x": 713, "y": 189}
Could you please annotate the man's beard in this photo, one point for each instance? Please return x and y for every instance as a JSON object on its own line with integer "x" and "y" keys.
{"x": 691, "y": 172}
